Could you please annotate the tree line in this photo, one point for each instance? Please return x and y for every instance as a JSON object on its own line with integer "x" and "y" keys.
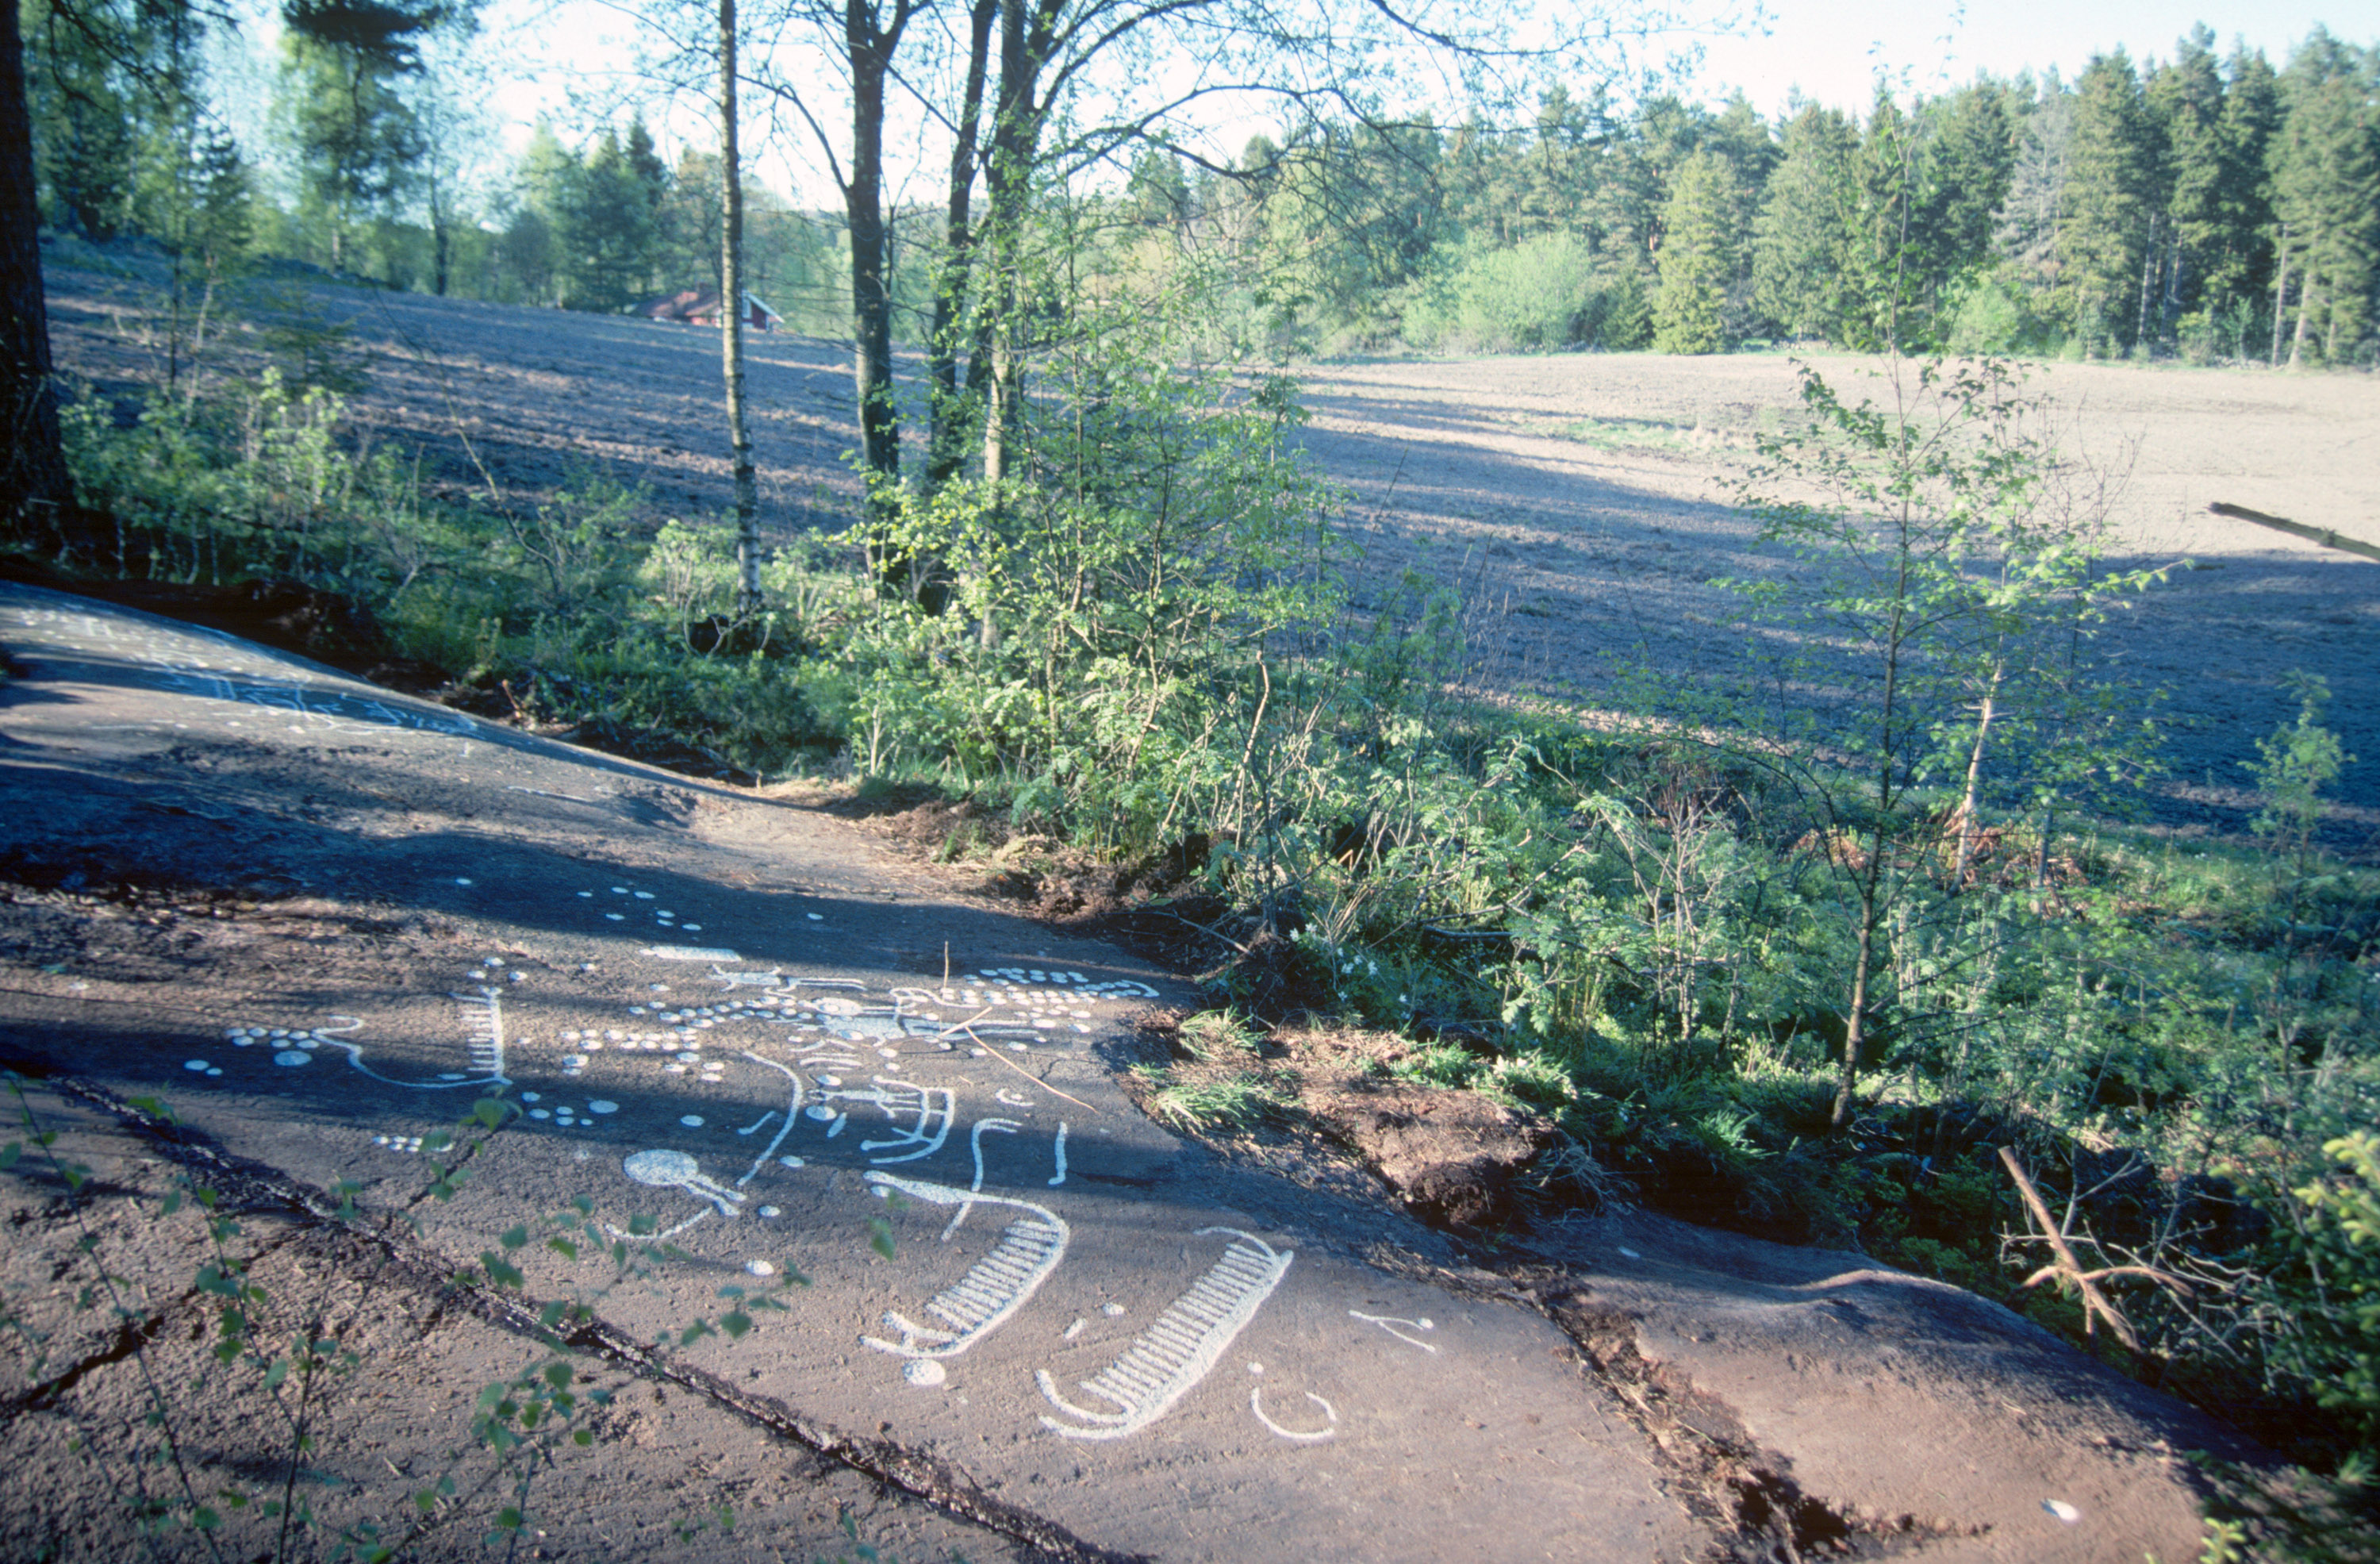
{"x": 2202, "y": 206}
{"x": 2206, "y": 205}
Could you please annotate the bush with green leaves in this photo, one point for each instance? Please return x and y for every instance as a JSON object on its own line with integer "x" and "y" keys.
{"x": 1110, "y": 610}
{"x": 1544, "y": 293}
{"x": 2336, "y": 1283}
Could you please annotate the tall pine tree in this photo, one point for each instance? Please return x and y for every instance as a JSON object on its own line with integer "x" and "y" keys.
{"x": 2105, "y": 207}
{"x": 1799, "y": 237}
{"x": 1697, "y": 258}
{"x": 2326, "y": 193}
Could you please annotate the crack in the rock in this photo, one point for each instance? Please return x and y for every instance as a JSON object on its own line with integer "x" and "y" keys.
{"x": 131, "y": 1338}
{"x": 254, "y": 1186}
{"x": 1726, "y": 1479}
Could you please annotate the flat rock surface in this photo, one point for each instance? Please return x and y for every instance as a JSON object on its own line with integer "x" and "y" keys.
{"x": 732, "y": 1016}
{"x": 319, "y": 920}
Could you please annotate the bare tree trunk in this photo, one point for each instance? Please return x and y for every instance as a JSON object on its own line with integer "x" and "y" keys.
{"x": 2280, "y": 294}
{"x": 1975, "y": 780}
{"x": 945, "y": 440}
{"x": 2140, "y": 337}
{"x": 441, "y": 236}
{"x": 2305, "y": 309}
{"x": 1855, "y": 1022}
{"x": 1008, "y": 184}
{"x": 34, "y": 487}
{"x": 870, "y": 50}
{"x": 731, "y": 321}
{"x": 1870, "y": 883}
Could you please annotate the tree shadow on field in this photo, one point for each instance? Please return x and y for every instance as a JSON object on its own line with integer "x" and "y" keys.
{"x": 1575, "y": 580}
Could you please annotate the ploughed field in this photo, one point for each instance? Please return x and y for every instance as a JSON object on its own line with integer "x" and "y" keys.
{"x": 1580, "y": 502}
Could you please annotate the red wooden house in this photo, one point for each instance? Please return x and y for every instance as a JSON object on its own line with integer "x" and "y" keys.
{"x": 699, "y": 306}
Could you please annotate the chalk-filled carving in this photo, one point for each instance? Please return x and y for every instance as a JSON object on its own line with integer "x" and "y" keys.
{"x": 975, "y": 1144}
{"x": 993, "y": 1289}
{"x": 792, "y": 1106}
{"x": 482, "y": 1017}
{"x": 920, "y": 1114}
{"x": 1296, "y": 1436}
{"x": 663, "y": 1168}
{"x": 1165, "y": 1362}
{"x": 1390, "y": 1322}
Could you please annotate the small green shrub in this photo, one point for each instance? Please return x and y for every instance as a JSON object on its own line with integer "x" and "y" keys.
{"x": 1239, "y": 1101}
{"x": 2334, "y": 1280}
{"x": 1210, "y": 1034}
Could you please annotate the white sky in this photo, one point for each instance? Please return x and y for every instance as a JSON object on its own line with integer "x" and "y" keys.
{"x": 1833, "y": 49}
{"x": 562, "y": 57}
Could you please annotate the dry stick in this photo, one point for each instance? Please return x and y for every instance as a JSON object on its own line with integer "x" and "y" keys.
{"x": 2095, "y": 1303}
{"x": 2322, "y": 535}
{"x": 963, "y": 1025}
{"x": 2163, "y": 1278}
{"x": 993, "y": 1053}
{"x": 1203, "y": 929}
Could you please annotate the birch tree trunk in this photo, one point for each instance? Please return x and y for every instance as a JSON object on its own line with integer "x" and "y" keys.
{"x": 2280, "y": 294}
{"x": 2305, "y": 309}
{"x": 731, "y": 321}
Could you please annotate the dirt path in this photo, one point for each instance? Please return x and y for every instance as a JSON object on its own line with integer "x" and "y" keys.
{"x": 317, "y": 918}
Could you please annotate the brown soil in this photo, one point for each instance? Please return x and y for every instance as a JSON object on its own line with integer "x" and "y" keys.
{"x": 1455, "y": 1158}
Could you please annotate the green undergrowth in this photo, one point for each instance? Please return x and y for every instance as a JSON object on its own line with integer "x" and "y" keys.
{"x": 573, "y": 608}
{"x": 1803, "y": 975}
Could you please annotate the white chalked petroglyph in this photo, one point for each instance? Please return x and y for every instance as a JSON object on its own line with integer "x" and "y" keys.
{"x": 1391, "y": 1322}
{"x": 860, "y": 1023}
{"x": 1175, "y": 1352}
{"x": 674, "y": 1169}
{"x": 773, "y": 978}
{"x": 994, "y": 1287}
{"x": 927, "y": 1109}
{"x": 483, "y": 1020}
{"x": 1255, "y": 1405}
{"x": 792, "y": 1109}
{"x": 483, "y": 1024}
{"x": 975, "y": 1144}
